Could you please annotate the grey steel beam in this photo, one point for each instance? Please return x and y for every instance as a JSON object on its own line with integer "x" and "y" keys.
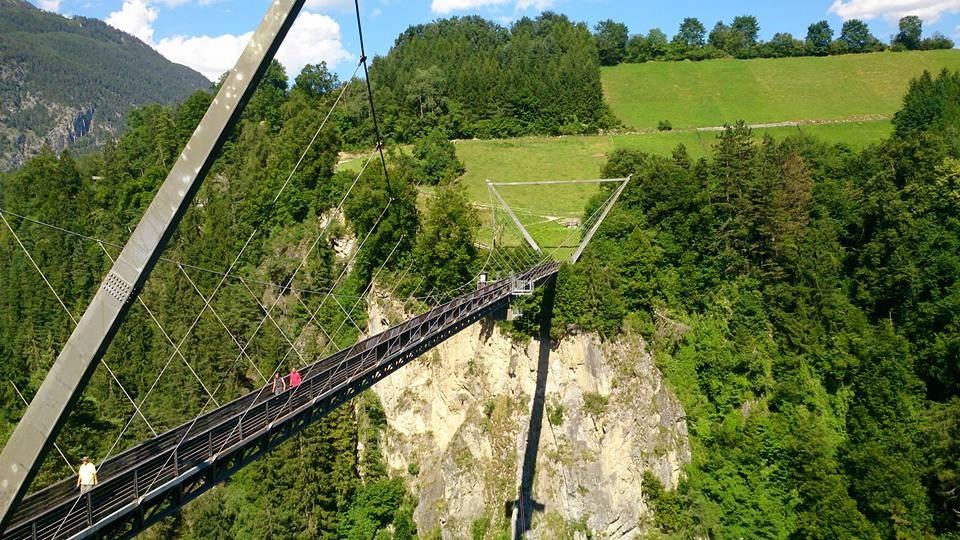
{"x": 603, "y": 215}
{"x": 555, "y": 182}
{"x": 513, "y": 216}
{"x": 24, "y": 451}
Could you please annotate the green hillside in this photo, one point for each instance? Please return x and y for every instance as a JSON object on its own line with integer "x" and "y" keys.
{"x": 70, "y": 82}
{"x": 714, "y": 92}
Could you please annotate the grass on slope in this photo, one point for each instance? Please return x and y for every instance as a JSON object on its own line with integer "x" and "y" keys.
{"x": 568, "y": 158}
{"x": 715, "y": 92}
{"x": 582, "y": 158}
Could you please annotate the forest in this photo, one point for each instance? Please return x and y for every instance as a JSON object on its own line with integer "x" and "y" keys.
{"x": 469, "y": 77}
{"x": 802, "y": 300}
{"x": 739, "y": 39}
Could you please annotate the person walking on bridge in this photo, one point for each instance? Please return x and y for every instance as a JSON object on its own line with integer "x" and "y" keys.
{"x": 86, "y": 476}
{"x": 279, "y": 385}
{"x": 295, "y": 377}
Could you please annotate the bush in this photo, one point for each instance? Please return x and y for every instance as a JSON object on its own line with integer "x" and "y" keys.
{"x": 664, "y": 125}
{"x": 555, "y": 414}
{"x": 594, "y": 404}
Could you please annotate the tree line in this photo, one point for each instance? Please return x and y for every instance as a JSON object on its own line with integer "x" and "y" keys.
{"x": 739, "y": 39}
{"x": 468, "y": 77}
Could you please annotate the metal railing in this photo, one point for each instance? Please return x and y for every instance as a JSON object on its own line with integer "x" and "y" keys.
{"x": 157, "y": 477}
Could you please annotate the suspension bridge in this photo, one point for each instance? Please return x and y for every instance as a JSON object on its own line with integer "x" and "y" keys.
{"x": 155, "y": 478}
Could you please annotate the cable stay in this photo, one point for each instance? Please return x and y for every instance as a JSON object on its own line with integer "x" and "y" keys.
{"x": 587, "y": 229}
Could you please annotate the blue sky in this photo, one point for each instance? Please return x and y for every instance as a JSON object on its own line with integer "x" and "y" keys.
{"x": 208, "y": 35}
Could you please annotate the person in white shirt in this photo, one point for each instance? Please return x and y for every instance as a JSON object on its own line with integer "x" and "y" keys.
{"x": 86, "y": 476}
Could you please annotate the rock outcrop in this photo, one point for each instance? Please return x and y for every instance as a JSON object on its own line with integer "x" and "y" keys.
{"x": 459, "y": 419}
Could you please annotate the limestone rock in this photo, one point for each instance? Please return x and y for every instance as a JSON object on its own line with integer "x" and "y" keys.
{"x": 459, "y": 418}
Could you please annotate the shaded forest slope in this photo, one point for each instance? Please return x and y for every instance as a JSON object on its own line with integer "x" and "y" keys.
{"x": 70, "y": 82}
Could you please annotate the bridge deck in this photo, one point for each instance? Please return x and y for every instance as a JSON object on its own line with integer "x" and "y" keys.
{"x": 157, "y": 477}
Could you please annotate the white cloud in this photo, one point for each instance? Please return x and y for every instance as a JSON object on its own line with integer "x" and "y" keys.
{"x": 539, "y": 5}
{"x": 324, "y": 5}
{"x": 50, "y": 5}
{"x": 313, "y": 38}
{"x": 211, "y": 56}
{"x": 135, "y": 17}
{"x": 928, "y": 10}
{"x": 444, "y": 7}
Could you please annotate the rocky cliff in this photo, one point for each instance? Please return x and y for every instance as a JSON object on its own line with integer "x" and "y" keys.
{"x": 459, "y": 421}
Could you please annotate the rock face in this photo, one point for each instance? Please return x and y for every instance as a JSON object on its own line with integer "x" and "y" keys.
{"x": 459, "y": 419}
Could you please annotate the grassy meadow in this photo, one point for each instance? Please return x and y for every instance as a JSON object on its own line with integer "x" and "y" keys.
{"x": 714, "y": 92}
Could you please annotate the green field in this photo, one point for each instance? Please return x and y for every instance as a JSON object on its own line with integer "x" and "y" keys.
{"x": 582, "y": 158}
{"x": 714, "y": 92}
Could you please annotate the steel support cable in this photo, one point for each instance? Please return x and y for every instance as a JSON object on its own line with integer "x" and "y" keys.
{"x": 262, "y": 388}
{"x": 233, "y": 265}
{"x": 193, "y": 422}
{"x": 329, "y": 293}
{"x": 349, "y": 316}
{"x": 342, "y": 274}
{"x": 55, "y": 445}
{"x": 511, "y": 256}
{"x": 169, "y": 339}
{"x": 275, "y": 324}
{"x": 508, "y": 253}
{"x": 583, "y": 226}
{"x": 207, "y": 301}
{"x": 345, "y": 358}
{"x": 74, "y": 319}
{"x": 194, "y": 323}
{"x": 498, "y": 259}
{"x": 366, "y": 291}
{"x": 309, "y": 310}
{"x": 403, "y": 307}
{"x": 143, "y": 400}
{"x": 282, "y": 360}
{"x": 310, "y": 252}
{"x": 262, "y": 320}
{"x": 373, "y": 109}
{"x": 399, "y": 281}
{"x": 233, "y": 338}
{"x": 166, "y": 260}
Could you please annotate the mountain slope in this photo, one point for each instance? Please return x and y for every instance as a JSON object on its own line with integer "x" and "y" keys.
{"x": 69, "y": 82}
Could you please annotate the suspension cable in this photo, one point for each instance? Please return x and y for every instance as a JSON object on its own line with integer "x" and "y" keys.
{"x": 166, "y": 260}
{"x": 373, "y": 109}
{"x": 55, "y": 445}
{"x": 74, "y": 319}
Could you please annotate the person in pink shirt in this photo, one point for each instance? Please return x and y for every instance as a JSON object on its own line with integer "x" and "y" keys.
{"x": 294, "y": 377}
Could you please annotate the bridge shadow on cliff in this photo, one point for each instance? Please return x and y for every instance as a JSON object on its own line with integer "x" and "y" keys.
{"x": 525, "y": 505}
